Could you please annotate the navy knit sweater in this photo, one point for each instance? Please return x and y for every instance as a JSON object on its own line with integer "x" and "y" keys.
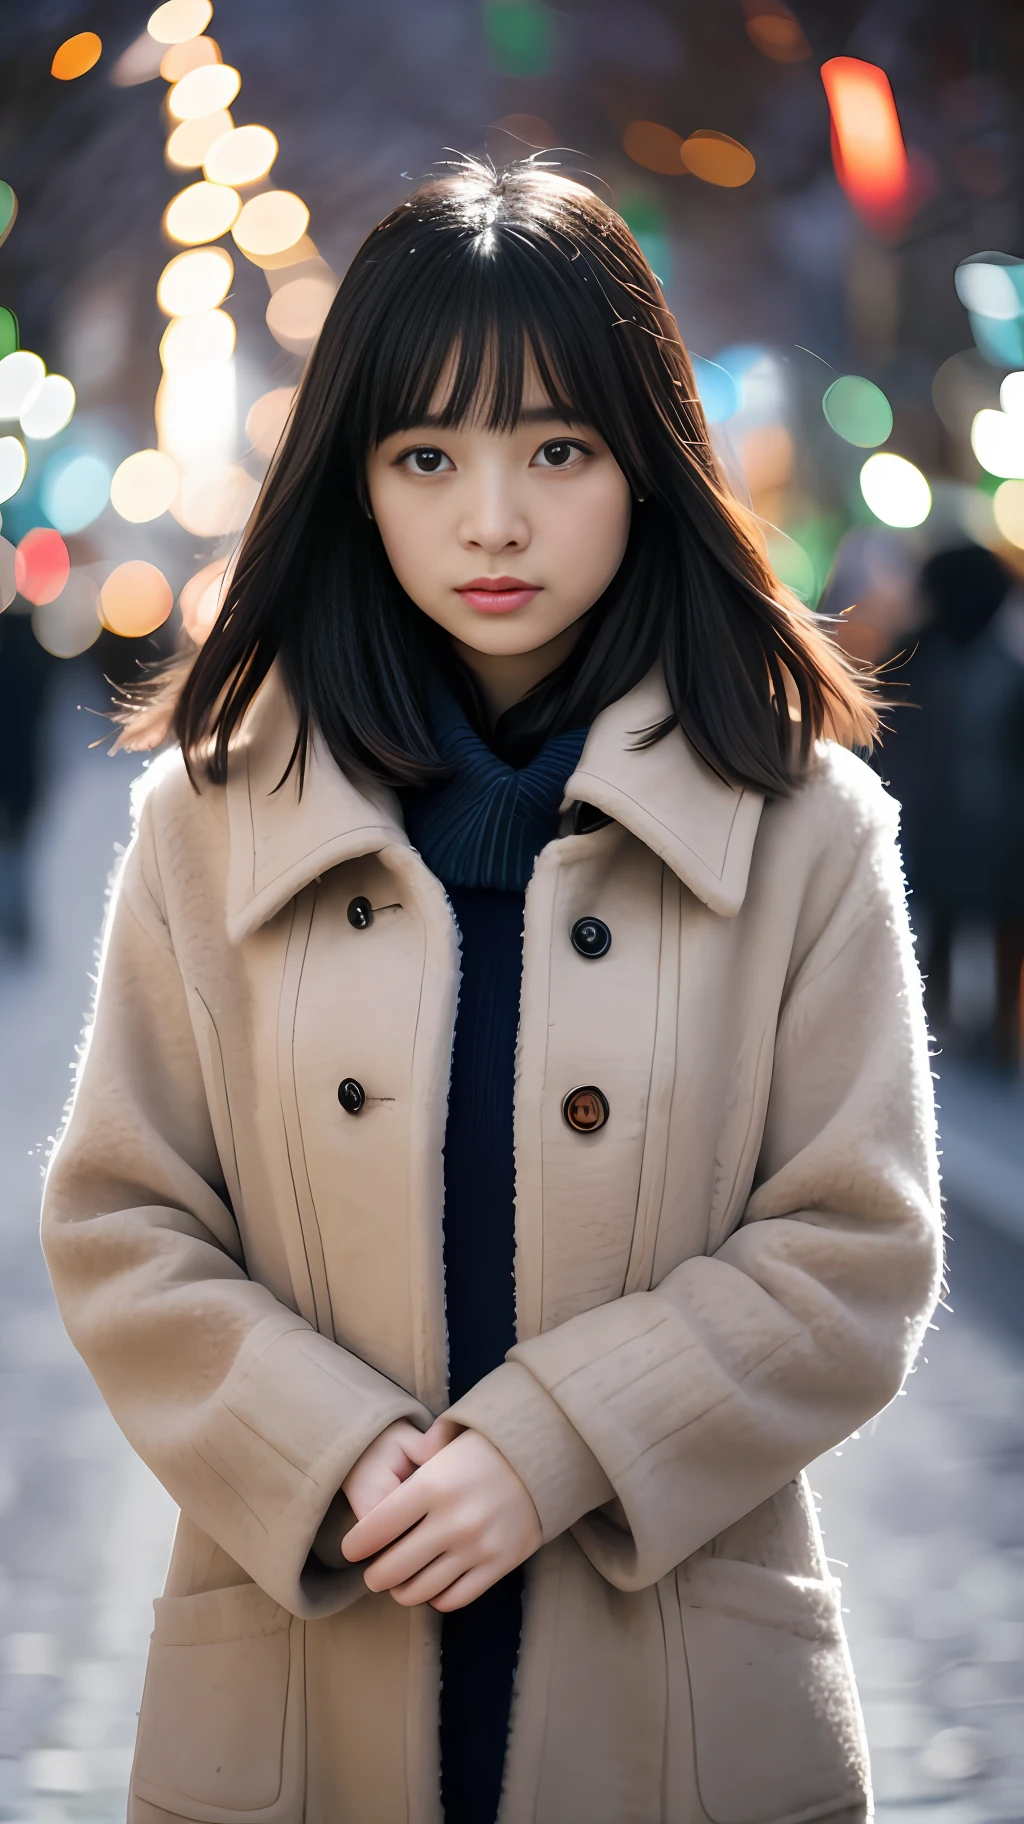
{"x": 480, "y": 833}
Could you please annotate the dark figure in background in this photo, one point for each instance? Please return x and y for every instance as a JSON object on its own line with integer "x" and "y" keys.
{"x": 25, "y": 671}
{"x": 955, "y": 761}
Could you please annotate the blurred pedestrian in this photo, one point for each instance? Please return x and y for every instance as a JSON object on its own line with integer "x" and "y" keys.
{"x": 503, "y": 1158}
{"x": 955, "y": 761}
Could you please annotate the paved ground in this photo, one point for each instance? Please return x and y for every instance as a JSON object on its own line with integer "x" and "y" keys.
{"x": 924, "y": 1513}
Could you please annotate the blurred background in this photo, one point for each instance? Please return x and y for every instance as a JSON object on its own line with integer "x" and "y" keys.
{"x": 831, "y": 195}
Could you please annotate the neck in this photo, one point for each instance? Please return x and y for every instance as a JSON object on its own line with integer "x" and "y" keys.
{"x": 505, "y": 678}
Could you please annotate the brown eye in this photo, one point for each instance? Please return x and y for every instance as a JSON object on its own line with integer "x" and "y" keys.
{"x": 425, "y": 461}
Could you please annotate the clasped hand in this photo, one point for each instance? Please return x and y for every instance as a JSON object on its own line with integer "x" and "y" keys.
{"x": 444, "y": 1512}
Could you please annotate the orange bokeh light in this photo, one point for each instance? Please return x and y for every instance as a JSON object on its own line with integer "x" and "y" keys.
{"x": 41, "y": 566}
{"x": 867, "y": 142}
{"x": 76, "y": 55}
{"x": 655, "y": 147}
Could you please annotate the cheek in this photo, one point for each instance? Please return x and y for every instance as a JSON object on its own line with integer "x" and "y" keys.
{"x": 407, "y": 531}
{"x": 597, "y": 530}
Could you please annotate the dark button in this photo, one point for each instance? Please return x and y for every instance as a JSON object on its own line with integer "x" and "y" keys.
{"x": 351, "y": 1095}
{"x": 585, "y": 1109}
{"x": 360, "y": 913}
{"x": 591, "y": 937}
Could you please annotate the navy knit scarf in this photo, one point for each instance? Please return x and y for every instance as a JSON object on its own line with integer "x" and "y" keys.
{"x": 486, "y": 825}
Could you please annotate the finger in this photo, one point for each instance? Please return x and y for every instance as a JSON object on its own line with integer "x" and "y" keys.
{"x": 466, "y": 1589}
{"x": 388, "y": 1520}
{"x": 430, "y": 1582}
{"x": 412, "y": 1552}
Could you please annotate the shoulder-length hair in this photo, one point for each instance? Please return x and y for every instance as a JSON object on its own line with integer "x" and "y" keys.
{"x": 451, "y": 290}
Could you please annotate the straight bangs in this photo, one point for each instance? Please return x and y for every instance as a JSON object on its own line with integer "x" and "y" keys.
{"x": 478, "y": 274}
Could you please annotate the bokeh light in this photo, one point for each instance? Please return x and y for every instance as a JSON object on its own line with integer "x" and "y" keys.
{"x": 208, "y": 336}
{"x": 8, "y": 580}
{"x": 214, "y": 498}
{"x": 8, "y": 331}
{"x": 271, "y": 222}
{"x": 201, "y": 598}
{"x": 74, "y": 489}
{"x": 776, "y": 33}
{"x": 989, "y": 289}
{"x": 178, "y": 20}
{"x": 266, "y": 419}
{"x": 71, "y": 624}
{"x": 8, "y": 211}
{"x": 241, "y": 156}
{"x": 997, "y": 439}
{"x": 895, "y": 490}
{"x": 1008, "y": 508}
{"x": 49, "y": 409}
{"x": 42, "y": 565}
{"x": 717, "y": 159}
{"x": 520, "y": 36}
{"x": 654, "y": 147}
{"x": 139, "y": 63}
{"x": 719, "y": 393}
{"x": 791, "y": 564}
{"x": 203, "y": 91}
{"x": 532, "y": 129}
{"x": 296, "y": 312}
{"x": 196, "y": 412}
{"x": 867, "y": 143}
{"x": 194, "y": 54}
{"x": 195, "y": 281}
{"x": 135, "y": 599}
{"x": 201, "y": 212}
{"x": 858, "y": 411}
{"x": 767, "y": 455}
{"x": 76, "y": 55}
{"x": 144, "y": 485}
{"x": 1011, "y": 393}
{"x": 13, "y": 463}
{"x": 21, "y": 377}
{"x": 191, "y": 140}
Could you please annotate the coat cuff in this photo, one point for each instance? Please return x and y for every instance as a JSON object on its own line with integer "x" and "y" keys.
{"x": 561, "y": 1473}
{"x": 276, "y": 1446}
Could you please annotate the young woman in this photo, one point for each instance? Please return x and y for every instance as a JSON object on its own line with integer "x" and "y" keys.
{"x": 503, "y": 1154}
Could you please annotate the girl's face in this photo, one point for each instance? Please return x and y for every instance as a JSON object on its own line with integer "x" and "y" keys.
{"x": 504, "y": 538}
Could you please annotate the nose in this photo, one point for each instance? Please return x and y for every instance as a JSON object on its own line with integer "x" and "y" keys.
{"x": 493, "y": 520}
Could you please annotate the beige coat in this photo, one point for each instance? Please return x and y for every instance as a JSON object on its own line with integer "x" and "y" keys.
{"x": 722, "y": 1282}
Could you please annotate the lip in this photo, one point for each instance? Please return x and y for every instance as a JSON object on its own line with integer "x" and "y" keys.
{"x": 497, "y": 594}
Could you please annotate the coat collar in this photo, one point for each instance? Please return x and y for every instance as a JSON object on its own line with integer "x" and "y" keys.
{"x": 665, "y": 795}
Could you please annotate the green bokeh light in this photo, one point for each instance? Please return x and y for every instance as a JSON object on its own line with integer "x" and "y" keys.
{"x": 9, "y": 338}
{"x": 858, "y": 411}
{"x": 520, "y": 36}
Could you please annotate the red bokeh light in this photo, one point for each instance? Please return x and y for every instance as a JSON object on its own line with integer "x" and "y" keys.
{"x": 41, "y": 566}
{"x": 867, "y": 142}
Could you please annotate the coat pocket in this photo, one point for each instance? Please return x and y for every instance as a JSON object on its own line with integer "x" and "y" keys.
{"x": 221, "y": 1724}
{"x": 778, "y": 1736}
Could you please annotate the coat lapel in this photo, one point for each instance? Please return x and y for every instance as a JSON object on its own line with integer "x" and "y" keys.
{"x": 702, "y": 828}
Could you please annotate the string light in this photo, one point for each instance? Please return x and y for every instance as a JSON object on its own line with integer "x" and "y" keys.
{"x": 179, "y": 59}
{"x": 240, "y": 156}
{"x": 203, "y": 91}
{"x": 144, "y": 486}
{"x": 191, "y": 141}
{"x": 195, "y": 281}
{"x": 179, "y": 20}
{"x": 202, "y": 212}
{"x": 265, "y": 423}
{"x": 270, "y": 223}
{"x": 135, "y": 599}
{"x": 208, "y": 336}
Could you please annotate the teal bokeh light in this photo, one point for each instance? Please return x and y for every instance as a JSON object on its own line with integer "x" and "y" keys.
{"x": 74, "y": 489}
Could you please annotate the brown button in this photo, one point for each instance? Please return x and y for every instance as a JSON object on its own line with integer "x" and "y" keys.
{"x": 585, "y": 1109}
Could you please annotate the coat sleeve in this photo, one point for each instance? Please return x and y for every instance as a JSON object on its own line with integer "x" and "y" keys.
{"x": 249, "y": 1418}
{"x": 698, "y": 1400}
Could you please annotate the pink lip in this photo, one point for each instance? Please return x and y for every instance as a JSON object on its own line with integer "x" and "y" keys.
{"x": 497, "y": 594}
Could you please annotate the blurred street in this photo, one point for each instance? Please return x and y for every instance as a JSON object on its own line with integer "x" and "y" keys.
{"x": 924, "y": 1513}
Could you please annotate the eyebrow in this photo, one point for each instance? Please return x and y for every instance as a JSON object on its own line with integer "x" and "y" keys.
{"x": 534, "y": 414}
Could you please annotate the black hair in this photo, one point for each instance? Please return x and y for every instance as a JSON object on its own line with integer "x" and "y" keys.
{"x": 473, "y": 270}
